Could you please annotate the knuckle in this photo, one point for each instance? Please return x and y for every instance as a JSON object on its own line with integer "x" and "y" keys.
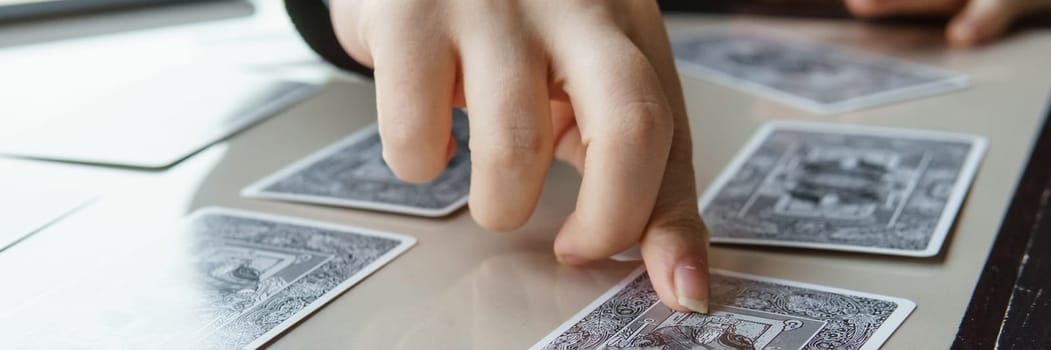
{"x": 414, "y": 153}
{"x": 643, "y": 123}
{"x": 519, "y": 148}
{"x": 581, "y": 237}
{"x": 680, "y": 214}
{"x": 864, "y": 8}
{"x": 389, "y": 21}
{"x": 681, "y": 222}
{"x": 612, "y": 243}
{"x": 528, "y": 142}
{"x": 400, "y": 9}
{"x": 602, "y": 241}
{"x": 676, "y": 227}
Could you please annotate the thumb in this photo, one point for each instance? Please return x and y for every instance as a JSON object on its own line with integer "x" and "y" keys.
{"x": 675, "y": 251}
{"x": 980, "y": 21}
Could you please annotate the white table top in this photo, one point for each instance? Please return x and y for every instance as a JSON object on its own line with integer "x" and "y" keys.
{"x": 462, "y": 287}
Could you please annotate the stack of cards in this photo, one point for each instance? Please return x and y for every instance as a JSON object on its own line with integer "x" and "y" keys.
{"x": 807, "y": 75}
{"x": 351, "y": 173}
{"x": 233, "y": 279}
{"x": 852, "y": 188}
{"x": 748, "y": 312}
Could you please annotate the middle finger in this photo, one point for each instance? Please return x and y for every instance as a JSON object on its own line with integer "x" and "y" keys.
{"x": 505, "y": 86}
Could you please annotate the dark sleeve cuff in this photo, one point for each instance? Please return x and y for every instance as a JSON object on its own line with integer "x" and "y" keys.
{"x": 311, "y": 18}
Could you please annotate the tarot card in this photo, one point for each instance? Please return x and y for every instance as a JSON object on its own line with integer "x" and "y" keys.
{"x": 839, "y": 187}
{"x": 351, "y": 173}
{"x": 224, "y": 279}
{"x": 25, "y": 210}
{"x": 748, "y": 312}
{"x": 815, "y": 77}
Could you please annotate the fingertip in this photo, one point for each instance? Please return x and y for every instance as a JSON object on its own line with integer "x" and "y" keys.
{"x": 979, "y": 22}
{"x": 496, "y": 221}
{"x": 691, "y": 285}
{"x": 494, "y": 206}
{"x": 866, "y": 8}
{"x": 577, "y": 238}
{"x": 572, "y": 260}
{"x": 412, "y": 108}
{"x": 566, "y": 251}
{"x": 564, "y": 247}
{"x": 415, "y": 171}
{"x": 962, "y": 34}
{"x": 676, "y": 257}
{"x": 972, "y": 34}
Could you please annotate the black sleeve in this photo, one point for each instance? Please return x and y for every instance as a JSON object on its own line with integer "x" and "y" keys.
{"x": 312, "y": 20}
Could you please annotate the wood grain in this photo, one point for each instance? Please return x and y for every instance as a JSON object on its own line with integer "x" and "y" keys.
{"x": 1011, "y": 304}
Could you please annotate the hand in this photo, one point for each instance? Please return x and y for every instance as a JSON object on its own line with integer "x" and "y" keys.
{"x": 592, "y": 83}
{"x": 974, "y": 21}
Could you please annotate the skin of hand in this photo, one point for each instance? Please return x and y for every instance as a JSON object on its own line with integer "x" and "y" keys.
{"x": 974, "y": 21}
{"x": 592, "y": 83}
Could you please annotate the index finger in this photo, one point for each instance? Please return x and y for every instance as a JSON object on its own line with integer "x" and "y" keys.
{"x": 626, "y": 128}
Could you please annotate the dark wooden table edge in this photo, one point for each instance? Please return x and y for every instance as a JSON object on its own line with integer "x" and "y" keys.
{"x": 817, "y": 9}
{"x": 1010, "y": 306}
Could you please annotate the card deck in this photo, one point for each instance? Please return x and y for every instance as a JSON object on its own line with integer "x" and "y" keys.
{"x": 815, "y": 77}
{"x": 840, "y": 187}
{"x": 351, "y": 173}
{"x": 748, "y": 312}
{"x": 224, "y": 279}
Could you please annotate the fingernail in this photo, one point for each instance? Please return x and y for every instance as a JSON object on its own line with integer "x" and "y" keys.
{"x": 691, "y": 287}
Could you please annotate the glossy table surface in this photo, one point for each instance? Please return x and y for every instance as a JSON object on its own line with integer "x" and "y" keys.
{"x": 462, "y": 287}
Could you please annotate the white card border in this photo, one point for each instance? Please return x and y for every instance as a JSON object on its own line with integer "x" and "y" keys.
{"x": 979, "y": 144}
{"x": 83, "y": 200}
{"x": 405, "y": 242}
{"x": 954, "y": 82}
{"x": 255, "y": 116}
{"x": 880, "y": 336}
{"x": 258, "y": 188}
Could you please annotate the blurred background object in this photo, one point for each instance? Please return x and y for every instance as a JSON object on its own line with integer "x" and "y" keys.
{"x": 25, "y": 9}
{"x": 33, "y": 21}
{"x": 143, "y": 87}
